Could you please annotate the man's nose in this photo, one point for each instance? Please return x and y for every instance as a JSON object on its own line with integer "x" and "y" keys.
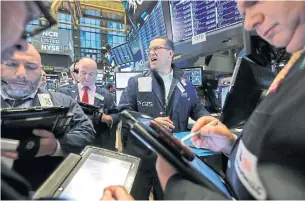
{"x": 21, "y": 71}
{"x": 251, "y": 22}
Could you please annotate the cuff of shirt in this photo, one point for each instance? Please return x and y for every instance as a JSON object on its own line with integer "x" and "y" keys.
{"x": 58, "y": 151}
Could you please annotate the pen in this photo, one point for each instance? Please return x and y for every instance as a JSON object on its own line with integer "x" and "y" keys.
{"x": 212, "y": 123}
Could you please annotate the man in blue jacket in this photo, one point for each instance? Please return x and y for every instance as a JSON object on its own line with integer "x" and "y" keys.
{"x": 86, "y": 92}
{"x": 163, "y": 94}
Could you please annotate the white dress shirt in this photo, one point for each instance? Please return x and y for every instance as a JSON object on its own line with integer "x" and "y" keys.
{"x": 91, "y": 92}
{"x": 167, "y": 80}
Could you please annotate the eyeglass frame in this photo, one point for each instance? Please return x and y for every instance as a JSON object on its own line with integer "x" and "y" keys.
{"x": 155, "y": 48}
{"x": 48, "y": 17}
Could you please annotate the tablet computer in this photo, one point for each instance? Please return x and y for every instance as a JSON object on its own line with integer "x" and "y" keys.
{"x": 93, "y": 112}
{"x": 84, "y": 176}
{"x": 161, "y": 141}
{"x": 18, "y": 123}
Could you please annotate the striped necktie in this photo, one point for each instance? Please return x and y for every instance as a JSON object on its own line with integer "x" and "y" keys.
{"x": 282, "y": 74}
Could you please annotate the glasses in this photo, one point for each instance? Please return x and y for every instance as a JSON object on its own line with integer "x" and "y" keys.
{"x": 35, "y": 10}
{"x": 15, "y": 64}
{"x": 155, "y": 48}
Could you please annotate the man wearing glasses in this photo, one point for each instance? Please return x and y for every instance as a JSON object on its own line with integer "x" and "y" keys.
{"x": 163, "y": 94}
{"x": 85, "y": 91}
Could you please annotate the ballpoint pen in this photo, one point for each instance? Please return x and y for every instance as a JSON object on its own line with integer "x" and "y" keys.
{"x": 212, "y": 123}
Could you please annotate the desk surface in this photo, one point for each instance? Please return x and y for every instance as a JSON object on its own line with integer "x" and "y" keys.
{"x": 198, "y": 152}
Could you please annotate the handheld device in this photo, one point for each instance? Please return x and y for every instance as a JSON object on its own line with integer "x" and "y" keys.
{"x": 93, "y": 112}
{"x": 162, "y": 142}
{"x": 19, "y": 123}
{"x": 84, "y": 176}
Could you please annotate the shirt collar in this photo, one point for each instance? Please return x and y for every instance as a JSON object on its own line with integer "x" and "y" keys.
{"x": 168, "y": 77}
{"x": 81, "y": 87}
{"x": 5, "y": 96}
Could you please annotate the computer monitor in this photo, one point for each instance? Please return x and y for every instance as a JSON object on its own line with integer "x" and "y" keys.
{"x": 249, "y": 81}
{"x": 194, "y": 18}
{"x": 122, "y": 54}
{"x": 194, "y": 75}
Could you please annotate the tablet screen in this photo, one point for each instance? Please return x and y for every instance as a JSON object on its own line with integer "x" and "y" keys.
{"x": 97, "y": 173}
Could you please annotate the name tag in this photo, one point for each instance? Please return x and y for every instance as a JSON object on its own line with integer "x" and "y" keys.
{"x": 180, "y": 87}
{"x": 246, "y": 169}
{"x": 45, "y": 100}
{"x": 183, "y": 82}
{"x": 145, "y": 84}
{"x": 99, "y": 96}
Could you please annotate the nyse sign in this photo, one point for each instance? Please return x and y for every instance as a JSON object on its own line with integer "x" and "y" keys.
{"x": 49, "y": 41}
{"x": 54, "y": 42}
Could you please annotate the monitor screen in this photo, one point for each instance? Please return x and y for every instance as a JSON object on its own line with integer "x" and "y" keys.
{"x": 133, "y": 40}
{"x": 122, "y": 54}
{"x": 96, "y": 173}
{"x": 153, "y": 27}
{"x": 121, "y": 79}
{"x": 118, "y": 94}
{"x": 193, "y": 18}
{"x": 194, "y": 75}
{"x": 138, "y": 11}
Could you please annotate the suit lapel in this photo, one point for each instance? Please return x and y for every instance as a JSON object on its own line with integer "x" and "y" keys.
{"x": 97, "y": 101}
{"x": 157, "y": 90}
{"x": 74, "y": 92}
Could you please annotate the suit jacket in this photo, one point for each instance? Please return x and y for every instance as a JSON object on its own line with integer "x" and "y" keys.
{"x": 81, "y": 134}
{"x": 183, "y": 103}
{"x": 105, "y": 137}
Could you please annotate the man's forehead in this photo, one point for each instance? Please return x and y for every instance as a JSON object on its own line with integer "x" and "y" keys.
{"x": 158, "y": 41}
{"x": 26, "y": 56}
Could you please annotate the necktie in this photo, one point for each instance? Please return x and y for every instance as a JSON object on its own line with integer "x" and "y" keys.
{"x": 85, "y": 98}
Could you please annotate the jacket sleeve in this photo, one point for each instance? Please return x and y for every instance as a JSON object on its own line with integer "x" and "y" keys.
{"x": 129, "y": 95}
{"x": 128, "y": 100}
{"x": 178, "y": 188}
{"x": 111, "y": 108}
{"x": 81, "y": 132}
{"x": 63, "y": 90}
{"x": 197, "y": 108}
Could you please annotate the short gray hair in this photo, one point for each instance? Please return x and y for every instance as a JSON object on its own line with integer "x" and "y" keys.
{"x": 169, "y": 43}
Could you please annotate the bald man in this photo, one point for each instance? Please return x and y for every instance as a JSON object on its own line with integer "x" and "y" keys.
{"x": 85, "y": 91}
{"x": 21, "y": 76}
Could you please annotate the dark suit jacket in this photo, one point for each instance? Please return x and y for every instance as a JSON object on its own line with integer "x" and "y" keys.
{"x": 105, "y": 137}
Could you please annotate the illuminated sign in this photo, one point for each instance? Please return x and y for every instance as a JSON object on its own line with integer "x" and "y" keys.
{"x": 54, "y": 42}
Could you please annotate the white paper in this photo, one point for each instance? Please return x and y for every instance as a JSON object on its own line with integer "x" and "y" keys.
{"x": 145, "y": 84}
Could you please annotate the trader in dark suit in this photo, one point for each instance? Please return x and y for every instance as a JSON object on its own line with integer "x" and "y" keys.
{"x": 86, "y": 92}
{"x": 21, "y": 76}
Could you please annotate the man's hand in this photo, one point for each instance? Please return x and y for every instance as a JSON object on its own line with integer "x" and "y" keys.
{"x": 116, "y": 193}
{"x": 106, "y": 119}
{"x": 166, "y": 122}
{"x": 48, "y": 145}
{"x": 216, "y": 138}
{"x": 165, "y": 171}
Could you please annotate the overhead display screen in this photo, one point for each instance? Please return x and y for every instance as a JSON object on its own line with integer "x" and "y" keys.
{"x": 193, "y": 18}
{"x": 122, "y": 54}
{"x": 153, "y": 27}
{"x": 133, "y": 40}
{"x": 138, "y": 11}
